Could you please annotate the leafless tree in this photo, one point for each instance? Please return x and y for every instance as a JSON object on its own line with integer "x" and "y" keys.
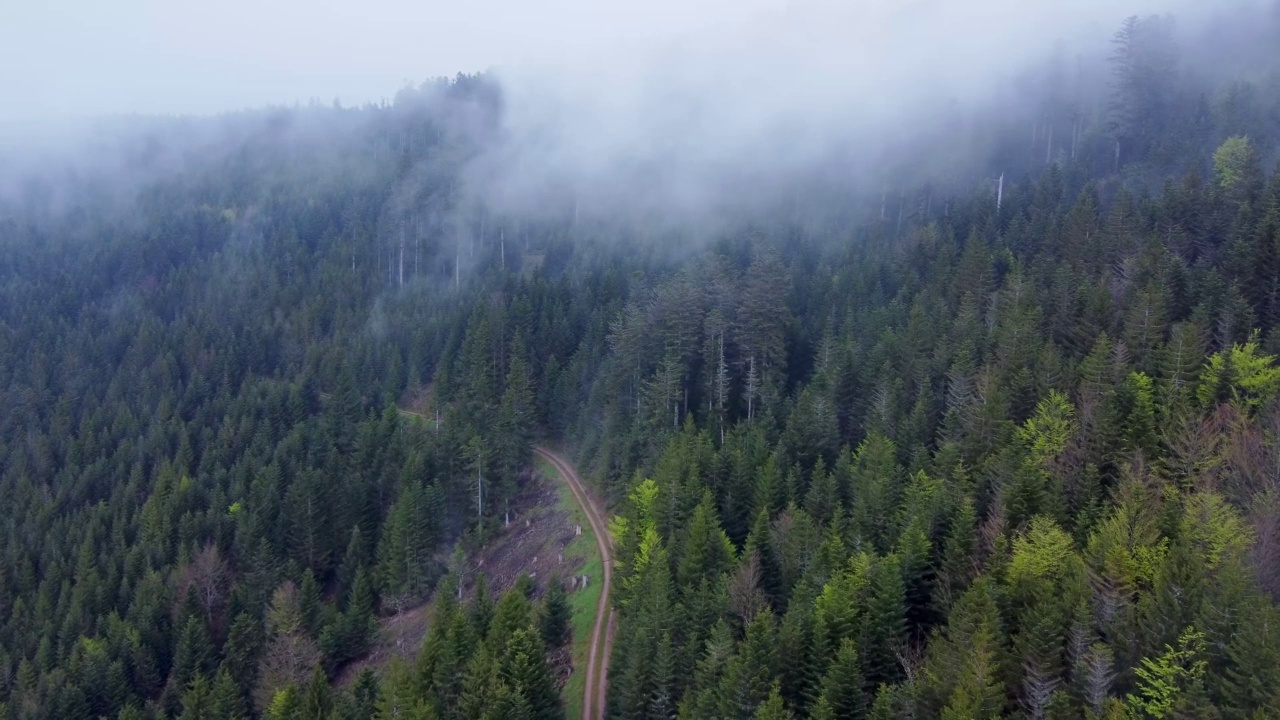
{"x": 911, "y": 656}
{"x": 289, "y": 659}
{"x": 753, "y": 387}
{"x": 1037, "y": 691}
{"x": 1096, "y": 673}
{"x": 291, "y": 654}
{"x": 991, "y": 531}
{"x": 1264, "y": 514}
{"x": 208, "y": 576}
{"x": 745, "y": 596}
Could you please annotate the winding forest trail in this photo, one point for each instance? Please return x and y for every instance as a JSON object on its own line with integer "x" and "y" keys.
{"x": 597, "y": 671}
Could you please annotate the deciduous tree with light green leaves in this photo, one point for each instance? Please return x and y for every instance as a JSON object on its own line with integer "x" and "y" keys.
{"x": 1242, "y": 374}
{"x": 1164, "y": 679}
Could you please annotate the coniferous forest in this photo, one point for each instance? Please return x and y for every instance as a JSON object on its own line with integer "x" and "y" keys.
{"x": 998, "y": 437}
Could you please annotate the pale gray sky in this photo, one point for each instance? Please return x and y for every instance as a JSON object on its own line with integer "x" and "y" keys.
{"x": 61, "y": 59}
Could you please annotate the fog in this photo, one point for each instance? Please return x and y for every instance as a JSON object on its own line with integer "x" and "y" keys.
{"x": 749, "y": 106}
{"x": 683, "y": 114}
{"x": 69, "y": 59}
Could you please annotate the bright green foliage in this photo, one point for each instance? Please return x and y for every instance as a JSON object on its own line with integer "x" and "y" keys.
{"x": 1215, "y": 530}
{"x": 1235, "y": 166}
{"x": 1163, "y": 680}
{"x": 1044, "y": 553}
{"x": 285, "y": 705}
{"x": 1242, "y": 375}
{"x": 1046, "y": 433}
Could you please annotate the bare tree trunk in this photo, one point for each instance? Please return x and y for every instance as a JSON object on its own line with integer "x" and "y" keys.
{"x": 898, "y": 232}
{"x": 722, "y": 387}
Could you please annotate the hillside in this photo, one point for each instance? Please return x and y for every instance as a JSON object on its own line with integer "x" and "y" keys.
{"x": 995, "y": 437}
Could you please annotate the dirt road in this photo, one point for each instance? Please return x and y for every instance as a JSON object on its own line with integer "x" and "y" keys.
{"x": 597, "y": 670}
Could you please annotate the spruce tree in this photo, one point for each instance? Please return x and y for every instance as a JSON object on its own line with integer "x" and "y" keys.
{"x": 228, "y": 701}
{"x": 842, "y": 686}
{"x": 197, "y": 700}
{"x": 884, "y": 626}
{"x": 554, "y": 622}
{"x": 525, "y": 668}
{"x": 773, "y": 708}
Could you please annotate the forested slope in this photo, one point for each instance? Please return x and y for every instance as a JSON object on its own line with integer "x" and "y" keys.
{"x": 1000, "y": 448}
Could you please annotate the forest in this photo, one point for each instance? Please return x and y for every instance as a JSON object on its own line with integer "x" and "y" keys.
{"x": 997, "y": 439}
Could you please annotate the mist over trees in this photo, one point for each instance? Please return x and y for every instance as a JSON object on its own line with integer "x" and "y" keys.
{"x": 975, "y": 418}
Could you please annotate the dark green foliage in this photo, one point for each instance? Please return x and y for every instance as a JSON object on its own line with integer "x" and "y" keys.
{"x": 979, "y": 462}
{"x": 553, "y": 623}
{"x": 842, "y": 685}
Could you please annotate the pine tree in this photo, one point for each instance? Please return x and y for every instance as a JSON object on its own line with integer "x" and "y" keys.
{"x": 242, "y": 652}
{"x": 195, "y": 654}
{"x": 364, "y": 694}
{"x": 353, "y": 559}
{"x": 842, "y": 686}
{"x": 525, "y": 669}
{"x": 227, "y": 701}
{"x": 317, "y": 700}
{"x": 662, "y": 705}
{"x": 350, "y": 635}
{"x": 285, "y": 705}
{"x": 514, "y": 426}
{"x": 822, "y": 710}
{"x": 751, "y": 672}
{"x": 822, "y": 500}
{"x": 197, "y": 700}
{"x": 915, "y": 552}
{"x": 773, "y": 708}
{"x": 759, "y": 543}
{"x": 884, "y": 627}
{"x": 510, "y": 615}
{"x": 311, "y": 604}
{"x": 407, "y": 545}
{"x": 707, "y": 550}
{"x": 959, "y": 564}
{"x": 554, "y": 623}
{"x": 795, "y": 645}
{"x": 398, "y": 699}
{"x": 1251, "y": 683}
{"x": 964, "y": 670}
